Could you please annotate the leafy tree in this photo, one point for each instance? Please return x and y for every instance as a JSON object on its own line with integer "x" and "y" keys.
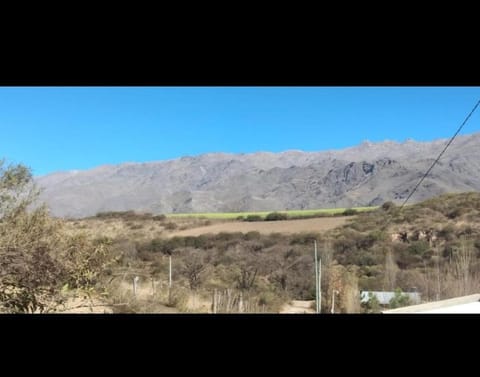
{"x": 372, "y": 305}
{"x": 37, "y": 257}
{"x": 29, "y": 269}
{"x": 17, "y": 190}
{"x": 399, "y": 299}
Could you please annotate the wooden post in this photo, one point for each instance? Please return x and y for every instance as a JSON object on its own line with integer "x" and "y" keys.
{"x": 240, "y": 303}
{"x": 135, "y": 281}
{"x": 169, "y": 279}
{"x": 229, "y": 304}
{"x": 220, "y": 302}
{"x": 170, "y": 271}
{"x": 319, "y": 285}
{"x": 214, "y": 302}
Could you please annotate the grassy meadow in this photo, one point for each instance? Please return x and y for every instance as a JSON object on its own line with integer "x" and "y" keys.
{"x": 290, "y": 214}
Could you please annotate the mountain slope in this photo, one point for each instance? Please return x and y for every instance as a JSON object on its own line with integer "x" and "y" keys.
{"x": 367, "y": 174}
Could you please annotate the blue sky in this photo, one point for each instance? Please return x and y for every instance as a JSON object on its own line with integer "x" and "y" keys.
{"x": 65, "y": 128}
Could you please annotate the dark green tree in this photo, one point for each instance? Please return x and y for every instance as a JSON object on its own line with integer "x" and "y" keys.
{"x": 399, "y": 299}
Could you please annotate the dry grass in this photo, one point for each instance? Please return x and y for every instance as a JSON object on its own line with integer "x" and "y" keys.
{"x": 268, "y": 227}
{"x": 135, "y": 229}
{"x": 148, "y": 229}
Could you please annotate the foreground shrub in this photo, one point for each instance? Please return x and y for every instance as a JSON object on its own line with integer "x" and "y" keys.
{"x": 276, "y": 216}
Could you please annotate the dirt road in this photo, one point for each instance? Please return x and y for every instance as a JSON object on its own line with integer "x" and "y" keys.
{"x": 298, "y": 307}
{"x": 266, "y": 227}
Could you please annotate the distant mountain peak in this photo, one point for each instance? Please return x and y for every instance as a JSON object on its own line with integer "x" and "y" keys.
{"x": 367, "y": 174}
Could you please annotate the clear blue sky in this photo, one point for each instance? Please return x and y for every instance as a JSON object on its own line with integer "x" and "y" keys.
{"x": 65, "y": 128}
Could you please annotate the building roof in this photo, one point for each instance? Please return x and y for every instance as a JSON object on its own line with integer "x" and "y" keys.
{"x": 464, "y": 304}
{"x": 384, "y": 297}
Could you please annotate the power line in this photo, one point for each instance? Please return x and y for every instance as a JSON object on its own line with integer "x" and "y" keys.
{"x": 441, "y": 154}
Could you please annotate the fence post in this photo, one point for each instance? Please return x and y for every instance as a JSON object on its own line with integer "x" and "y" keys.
{"x": 240, "y": 303}
{"x": 229, "y": 303}
{"x": 135, "y": 281}
{"x": 214, "y": 301}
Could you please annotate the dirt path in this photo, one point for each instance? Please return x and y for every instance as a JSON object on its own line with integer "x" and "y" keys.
{"x": 82, "y": 305}
{"x": 321, "y": 224}
{"x": 298, "y": 307}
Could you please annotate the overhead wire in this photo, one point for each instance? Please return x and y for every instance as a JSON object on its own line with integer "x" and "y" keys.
{"x": 440, "y": 155}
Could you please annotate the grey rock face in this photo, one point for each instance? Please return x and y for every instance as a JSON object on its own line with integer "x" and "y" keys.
{"x": 367, "y": 174}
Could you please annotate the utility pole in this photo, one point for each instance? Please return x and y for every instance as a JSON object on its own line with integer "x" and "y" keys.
{"x": 319, "y": 283}
{"x": 169, "y": 278}
{"x": 318, "y": 274}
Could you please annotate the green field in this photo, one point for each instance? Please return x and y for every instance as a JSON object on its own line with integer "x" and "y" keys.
{"x": 293, "y": 213}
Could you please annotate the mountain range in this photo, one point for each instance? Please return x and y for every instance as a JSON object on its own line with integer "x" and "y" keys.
{"x": 363, "y": 175}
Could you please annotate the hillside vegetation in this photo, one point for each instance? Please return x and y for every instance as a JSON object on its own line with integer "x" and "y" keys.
{"x": 422, "y": 248}
{"x": 122, "y": 259}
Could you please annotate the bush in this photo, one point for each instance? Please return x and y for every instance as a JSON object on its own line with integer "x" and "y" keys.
{"x": 387, "y": 206}
{"x": 253, "y": 235}
{"x": 447, "y": 232}
{"x": 349, "y": 212}
{"x": 178, "y": 299}
{"x": 304, "y": 239}
{"x": 372, "y": 305}
{"x": 253, "y": 218}
{"x": 399, "y": 299}
{"x": 171, "y": 226}
{"x": 276, "y": 216}
{"x": 124, "y": 215}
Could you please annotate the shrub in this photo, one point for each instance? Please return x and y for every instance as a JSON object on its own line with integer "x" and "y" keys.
{"x": 276, "y": 216}
{"x": 253, "y": 218}
{"x": 372, "y": 305}
{"x": 171, "y": 226}
{"x": 448, "y": 232}
{"x": 418, "y": 247}
{"x": 253, "y": 235}
{"x": 399, "y": 299}
{"x": 349, "y": 212}
{"x": 387, "y": 206}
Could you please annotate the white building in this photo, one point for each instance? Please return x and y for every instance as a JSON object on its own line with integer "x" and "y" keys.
{"x": 384, "y": 297}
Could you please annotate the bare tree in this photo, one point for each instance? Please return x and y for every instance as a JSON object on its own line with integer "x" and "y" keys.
{"x": 194, "y": 268}
{"x": 351, "y": 299}
{"x": 326, "y": 255}
{"x": 462, "y": 263}
{"x": 460, "y": 278}
{"x": 246, "y": 277}
{"x": 391, "y": 270}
